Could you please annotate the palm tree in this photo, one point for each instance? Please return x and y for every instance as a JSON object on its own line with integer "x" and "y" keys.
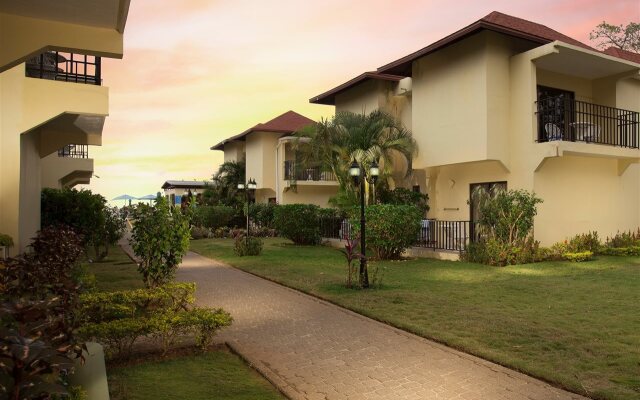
{"x": 225, "y": 183}
{"x": 334, "y": 144}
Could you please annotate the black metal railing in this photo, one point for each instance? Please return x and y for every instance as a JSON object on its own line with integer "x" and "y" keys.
{"x": 68, "y": 67}
{"x": 563, "y": 118}
{"x": 293, "y": 172}
{"x": 446, "y": 235}
{"x": 434, "y": 234}
{"x": 74, "y": 151}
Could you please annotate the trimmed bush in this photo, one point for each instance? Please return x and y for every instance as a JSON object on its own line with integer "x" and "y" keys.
{"x": 498, "y": 253}
{"x": 621, "y": 251}
{"x": 199, "y": 232}
{"x": 212, "y": 217}
{"x": 390, "y": 229}
{"x": 166, "y": 313}
{"x": 578, "y": 257}
{"x": 263, "y": 214}
{"x": 298, "y": 223}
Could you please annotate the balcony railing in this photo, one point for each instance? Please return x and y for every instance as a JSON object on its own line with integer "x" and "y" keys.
{"x": 562, "y": 118}
{"x": 74, "y": 151}
{"x": 433, "y": 234}
{"x": 68, "y": 67}
{"x": 292, "y": 172}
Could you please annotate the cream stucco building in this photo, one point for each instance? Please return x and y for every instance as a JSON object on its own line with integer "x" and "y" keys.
{"x": 508, "y": 102}
{"x": 52, "y": 100}
{"x": 268, "y": 151}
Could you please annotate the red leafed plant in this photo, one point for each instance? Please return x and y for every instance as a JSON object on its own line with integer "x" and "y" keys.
{"x": 351, "y": 253}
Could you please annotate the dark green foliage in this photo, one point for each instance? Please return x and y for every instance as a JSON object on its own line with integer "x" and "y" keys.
{"x": 212, "y": 217}
{"x": 6, "y": 240}
{"x": 492, "y": 251}
{"x": 86, "y": 213}
{"x": 199, "y": 232}
{"x": 224, "y": 190}
{"x": 38, "y": 296}
{"x": 584, "y": 242}
{"x": 402, "y": 196}
{"x": 160, "y": 238}
{"x": 621, "y": 251}
{"x": 298, "y": 222}
{"x": 624, "y": 239}
{"x": 166, "y": 313}
{"x": 505, "y": 227}
{"x": 262, "y": 214}
{"x": 390, "y": 229}
{"x": 244, "y": 246}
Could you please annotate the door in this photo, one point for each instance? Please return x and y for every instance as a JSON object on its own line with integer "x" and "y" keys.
{"x": 556, "y": 107}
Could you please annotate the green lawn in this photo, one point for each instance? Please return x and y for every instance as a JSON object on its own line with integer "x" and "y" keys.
{"x": 212, "y": 375}
{"x": 575, "y": 324}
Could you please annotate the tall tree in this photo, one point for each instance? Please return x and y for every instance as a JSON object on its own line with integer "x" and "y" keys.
{"x": 620, "y": 36}
{"x": 224, "y": 190}
{"x": 334, "y": 143}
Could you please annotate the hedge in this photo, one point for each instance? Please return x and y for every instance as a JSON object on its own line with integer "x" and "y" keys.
{"x": 298, "y": 223}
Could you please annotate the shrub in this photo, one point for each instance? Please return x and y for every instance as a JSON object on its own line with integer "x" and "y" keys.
{"x": 86, "y": 213}
{"x": 584, "y": 242}
{"x": 402, "y": 196}
{"x": 621, "y": 251}
{"x": 6, "y": 240}
{"x": 351, "y": 254}
{"x": 166, "y": 313}
{"x": 212, "y": 217}
{"x": 39, "y": 293}
{"x": 578, "y": 256}
{"x": 495, "y": 252}
{"x": 298, "y": 222}
{"x": 390, "y": 229}
{"x": 160, "y": 238}
{"x": 263, "y": 214}
{"x": 624, "y": 239}
{"x": 508, "y": 215}
{"x": 244, "y": 246}
{"x": 199, "y": 232}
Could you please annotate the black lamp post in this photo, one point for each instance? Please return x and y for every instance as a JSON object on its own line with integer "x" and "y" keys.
{"x": 359, "y": 176}
{"x": 249, "y": 189}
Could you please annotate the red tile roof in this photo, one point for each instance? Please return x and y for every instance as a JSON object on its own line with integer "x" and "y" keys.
{"x": 288, "y": 122}
{"x": 495, "y": 21}
{"x": 624, "y": 54}
{"x": 329, "y": 96}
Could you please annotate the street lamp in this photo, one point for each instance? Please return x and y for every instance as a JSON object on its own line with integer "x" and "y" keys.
{"x": 359, "y": 175}
{"x": 249, "y": 189}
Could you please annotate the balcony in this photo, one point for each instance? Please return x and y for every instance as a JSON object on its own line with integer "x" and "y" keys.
{"x": 561, "y": 118}
{"x": 74, "y": 151}
{"x": 292, "y": 172}
{"x": 66, "y": 67}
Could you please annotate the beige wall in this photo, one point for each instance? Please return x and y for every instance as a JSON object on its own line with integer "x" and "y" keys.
{"x": 58, "y": 172}
{"x": 31, "y": 127}
{"x": 261, "y": 158}
{"x": 362, "y": 98}
{"x": 23, "y": 37}
{"x": 310, "y": 194}
{"x": 234, "y": 151}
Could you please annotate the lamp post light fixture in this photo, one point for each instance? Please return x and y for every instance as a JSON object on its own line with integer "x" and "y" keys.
{"x": 359, "y": 176}
{"x": 249, "y": 189}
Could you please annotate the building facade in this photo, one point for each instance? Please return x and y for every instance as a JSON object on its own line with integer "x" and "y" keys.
{"x": 506, "y": 102}
{"x": 269, "y": 154}
{"x": 52, "y": 100}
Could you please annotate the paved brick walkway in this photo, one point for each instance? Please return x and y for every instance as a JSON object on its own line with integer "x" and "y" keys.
{"x": 315, "y": 350}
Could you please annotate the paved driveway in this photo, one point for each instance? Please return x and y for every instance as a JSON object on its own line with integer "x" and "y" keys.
{"x": 312, "y": 349}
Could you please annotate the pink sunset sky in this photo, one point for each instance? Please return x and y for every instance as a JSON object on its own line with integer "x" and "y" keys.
{"x": 197, "y": 71}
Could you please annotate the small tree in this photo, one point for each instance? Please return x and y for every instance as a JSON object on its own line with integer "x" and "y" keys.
{"x": 109, "y": 233}
{"x": 160, "y": 238}
{"x": 620, "y": 36}
{"x": 508, "y": 215}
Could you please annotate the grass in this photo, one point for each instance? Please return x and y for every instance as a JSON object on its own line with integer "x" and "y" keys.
{"x": 213, "y": 375}
{"x": 574, "y": 324}
{"x": 197, "y": 376}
